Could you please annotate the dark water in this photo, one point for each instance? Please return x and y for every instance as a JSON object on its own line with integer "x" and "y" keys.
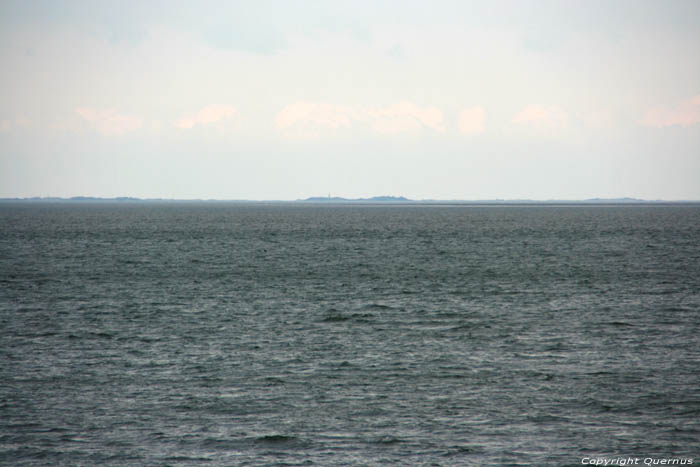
{"x": 299, "y": 335}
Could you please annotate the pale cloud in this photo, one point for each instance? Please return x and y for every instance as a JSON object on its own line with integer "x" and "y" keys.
{"x": 207, "y": 116}
{"x": 471, "y": 120}
{"x": 109, "y": 122}
{"x": 19, "y": 122}
{"x": 308, "y": 119}
{"x": 315, "y": 114}
{"x": 685, "y": 114}
{"x": 551, "y": 117}
{"x": 405, "y": 116}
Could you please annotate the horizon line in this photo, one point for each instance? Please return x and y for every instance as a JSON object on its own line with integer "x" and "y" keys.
{"x": 340, "y": 200}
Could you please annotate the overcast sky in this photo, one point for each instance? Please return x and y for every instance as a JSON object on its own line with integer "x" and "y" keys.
{"x": 285, "y": 100}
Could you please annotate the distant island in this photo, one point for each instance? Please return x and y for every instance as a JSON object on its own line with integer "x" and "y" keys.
{"x": 402, "y": 199}
{"x": 374, "y": 199}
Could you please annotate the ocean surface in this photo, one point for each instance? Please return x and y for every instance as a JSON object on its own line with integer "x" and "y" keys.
{"x": 253, "y": 334}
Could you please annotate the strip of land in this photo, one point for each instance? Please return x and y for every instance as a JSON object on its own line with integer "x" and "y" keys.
{"x": 340, "y": 200}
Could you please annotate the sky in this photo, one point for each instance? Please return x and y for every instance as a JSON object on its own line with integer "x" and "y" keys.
{"x": 281, "y": 100}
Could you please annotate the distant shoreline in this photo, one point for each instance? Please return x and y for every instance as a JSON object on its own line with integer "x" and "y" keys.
{"x": 377, "y": 200}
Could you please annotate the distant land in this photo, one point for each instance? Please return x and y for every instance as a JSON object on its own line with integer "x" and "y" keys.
{"x": 341, "y": 200}
{"x": 401, "y": 199}
{"x": 374, "y": 199}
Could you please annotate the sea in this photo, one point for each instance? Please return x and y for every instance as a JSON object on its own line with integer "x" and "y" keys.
{"x": 279, "y": 334}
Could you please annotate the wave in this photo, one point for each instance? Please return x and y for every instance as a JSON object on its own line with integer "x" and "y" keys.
{"x": 337, "y": 317}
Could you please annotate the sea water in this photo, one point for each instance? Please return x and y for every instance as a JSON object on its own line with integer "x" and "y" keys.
{"x": 291, "y": 334}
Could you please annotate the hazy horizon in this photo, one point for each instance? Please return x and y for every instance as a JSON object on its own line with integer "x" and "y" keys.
{"x": 445, "y": 100}
{"x": 398, "y": 199}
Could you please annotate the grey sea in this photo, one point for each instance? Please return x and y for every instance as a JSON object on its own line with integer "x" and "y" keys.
{"x": 294, "y": 334}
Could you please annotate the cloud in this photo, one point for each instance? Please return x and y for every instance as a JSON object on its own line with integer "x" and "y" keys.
{"x": 109, "y": 122}
{"x": 315, "y": 114}
{"x": 685, "y": 114}
{"x": 308, "y": 119}
{"x": 405, "y": 116}
{"x": 207, "y": 115}
{"x": 471, "y": 120}
{"x": 551, "y": 117}
{"x": 19, "y": 122}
